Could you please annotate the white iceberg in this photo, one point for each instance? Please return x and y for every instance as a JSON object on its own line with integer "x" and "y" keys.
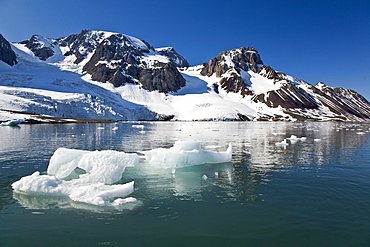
{"x": 185, "y": 153}
{"x": 83, "y": 176}
{"x": 93, "y": 177}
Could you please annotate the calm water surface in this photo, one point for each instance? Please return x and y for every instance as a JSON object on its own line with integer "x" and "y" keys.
{"x": 310, "y": 193}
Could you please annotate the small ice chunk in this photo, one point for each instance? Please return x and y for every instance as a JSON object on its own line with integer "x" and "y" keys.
{"x": 120, "y": 201}
{"x": 139, "y": 126}
{"x": 204, "y": 177}
{"x": 279, "y": 134}
{"x": 185, "y": 153}
{"x": 292, "y": 137}
{"x": 13, "y": 122}
{"x": 283, "y": 143}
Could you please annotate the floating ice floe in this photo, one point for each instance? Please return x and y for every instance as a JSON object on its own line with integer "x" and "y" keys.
{"x": 90, "y": 176}
{"x": 83, "y": 176}
{"x": 283, "y": 143}
{"x": 14, "y": 122}
{"x": 185, "y": 153}
{"x": 138, "y": 126}
{"x": 294, "y": 139}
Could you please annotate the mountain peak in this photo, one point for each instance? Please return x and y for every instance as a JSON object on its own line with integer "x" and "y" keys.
{"x": 41, "y": 46}
{"x": 175, "y": 58}
{"x": 245, "y": 58}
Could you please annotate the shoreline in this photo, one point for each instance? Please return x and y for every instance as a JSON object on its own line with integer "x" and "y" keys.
{"x": 35, "y": 118}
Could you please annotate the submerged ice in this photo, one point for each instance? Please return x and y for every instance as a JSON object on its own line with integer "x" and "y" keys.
{"x": 93, "y": 177}
{"x": 83, "y": 176}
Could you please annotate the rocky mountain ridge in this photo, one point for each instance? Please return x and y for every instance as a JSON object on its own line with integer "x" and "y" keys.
{"x": 236, "y": 69}
{"x": 116, "y": 58}
{"x": 235, "y": 85}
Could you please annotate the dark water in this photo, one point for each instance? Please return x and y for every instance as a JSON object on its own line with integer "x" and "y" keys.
{"x": 311, "y": 193}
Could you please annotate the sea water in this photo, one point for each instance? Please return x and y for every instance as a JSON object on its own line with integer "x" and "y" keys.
{"x": 288, "y": 184}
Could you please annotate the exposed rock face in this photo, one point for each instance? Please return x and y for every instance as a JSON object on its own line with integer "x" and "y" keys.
{"x": 121, "y": 59}
{"x": 116, "y": 58}
{"x": 165, "y": 79}
{"x": 81, "y": 44}
{"x": 269, "y": 73}
{"x": 176, "y": 59}
{"x": 234, "y": 83}
{"x": 229, "y": 64}
{"x": 40, "y": 46}
{"x": 242, "y": 70}
{"x": 110, "y": 59}
{"x": 343, "y": 101}
{"x": 245, "y": 58}
{"x": 290, "y": 96}
{"x": 7, "y": 55}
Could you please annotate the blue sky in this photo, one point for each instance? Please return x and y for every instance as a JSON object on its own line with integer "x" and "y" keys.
{"x": 326, "y": 41}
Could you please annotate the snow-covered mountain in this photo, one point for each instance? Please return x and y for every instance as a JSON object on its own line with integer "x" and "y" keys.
{"x": 105, "y": 75}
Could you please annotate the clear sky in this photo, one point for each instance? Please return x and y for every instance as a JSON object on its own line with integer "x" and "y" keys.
{"x": 326, "y": 40}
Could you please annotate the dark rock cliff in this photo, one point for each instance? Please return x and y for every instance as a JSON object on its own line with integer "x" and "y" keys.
{"x": 165, "y": 78}
{"x": 245, "y": 58}
{"x": 231, "y": 62}
{"x": 7, "y": 55}
{"x": 116, "y": 59}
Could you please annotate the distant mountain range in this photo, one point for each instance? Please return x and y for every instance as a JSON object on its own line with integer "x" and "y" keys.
{"x": 112, "y": 76}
